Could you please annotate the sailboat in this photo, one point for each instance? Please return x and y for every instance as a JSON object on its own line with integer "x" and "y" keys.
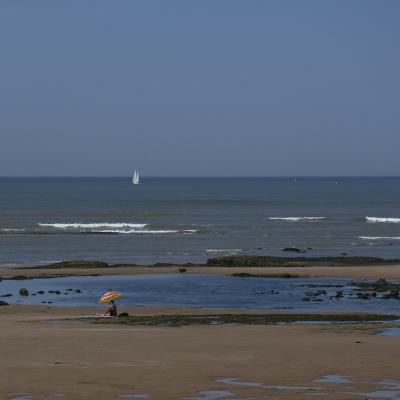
{"x": 135, "y": 178}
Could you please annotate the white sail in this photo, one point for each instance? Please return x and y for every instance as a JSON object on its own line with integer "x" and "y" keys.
{"x": 135, "y": 178}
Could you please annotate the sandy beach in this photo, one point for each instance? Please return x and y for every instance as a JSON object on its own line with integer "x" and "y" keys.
{"x": 44, "y": 357}
{"x": 46, "y": 352}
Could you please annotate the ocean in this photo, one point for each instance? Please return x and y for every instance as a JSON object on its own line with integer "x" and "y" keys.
{"x": 44, "y": 220}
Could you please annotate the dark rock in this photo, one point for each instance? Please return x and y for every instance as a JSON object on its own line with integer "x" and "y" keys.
{"x": 271, "y": 261}
{"x": 394, "y": 294}
{"x": 3, "y": 303}
{"x": 315, "y": 294}
{"x": 305, "y": 299}
{"x": 18, "y": 278}
{"x": 6, "y": 295}
{"x": 124, "y": 314}
{"x": 182, "y": 270}
{"x": 344, "y": 254}
{"x": 364, "y": 296}
{"x": 78, "y": 291}
{"x": 74, "y": 264}
{"x": 294, "y": 249}
{"x": 339, "y": 294}
{"x": 24, "y": 292}
{"x": 40, "y": 292}
{"x": 70, "y": 290}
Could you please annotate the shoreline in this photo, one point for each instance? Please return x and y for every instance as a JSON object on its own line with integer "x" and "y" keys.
{"x": 359, "y": 271}
{"x": 312, "y": 267}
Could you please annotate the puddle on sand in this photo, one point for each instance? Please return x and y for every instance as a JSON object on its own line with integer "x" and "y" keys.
{"x": 135, "y": 396}
{"x": 380, "y": 394}
{"x": 234, "y": 381}
{"x": 390, "y": 332}
{"x": 333, "y": 378}
{"x": 210, "y": 395}
{"x": 389, "y": 384}
{"x": 27, "y": 396}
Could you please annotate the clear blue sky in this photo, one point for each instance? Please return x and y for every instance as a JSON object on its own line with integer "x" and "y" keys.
{"x": 202, "y": 88}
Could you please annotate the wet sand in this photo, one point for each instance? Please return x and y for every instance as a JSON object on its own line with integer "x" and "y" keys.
{"x": 90, "y": 361}
{"x": 367, "y": 272}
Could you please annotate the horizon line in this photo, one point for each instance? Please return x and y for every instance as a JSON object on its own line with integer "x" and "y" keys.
{"x": 196, "y": 176}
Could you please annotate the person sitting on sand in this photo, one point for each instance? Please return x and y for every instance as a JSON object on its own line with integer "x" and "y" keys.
{"x": 111, "y": 310}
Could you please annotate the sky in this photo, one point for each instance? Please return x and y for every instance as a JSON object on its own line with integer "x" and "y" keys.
{"x": 199, "y": 88}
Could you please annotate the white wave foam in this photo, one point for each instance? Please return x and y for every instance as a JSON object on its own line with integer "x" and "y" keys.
{"x": 297, "y": 218}
{"x": 78, "y": 225}
{"x": 389, "y": 220}
{"x": 134, "y": 231}
{"x": 222, "y": 250}
{"x": 12, "y": 230}
{"x": 379, "y": 237}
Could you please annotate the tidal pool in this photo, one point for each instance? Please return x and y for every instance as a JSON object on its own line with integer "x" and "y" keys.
{"x": 211, "y": 291}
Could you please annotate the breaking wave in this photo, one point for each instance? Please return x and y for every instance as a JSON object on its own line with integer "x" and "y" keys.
{"x": 77, "y": 225}
{"x": 110, "y": 228}
{"x": 388, "y": 220}
{"x": 379, "y": 237}
{"x": 294, "y": 219}
{"x": 138, "y": 231}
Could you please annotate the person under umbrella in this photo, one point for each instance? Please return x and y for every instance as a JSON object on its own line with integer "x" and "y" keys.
{"x": 112, "y": 307}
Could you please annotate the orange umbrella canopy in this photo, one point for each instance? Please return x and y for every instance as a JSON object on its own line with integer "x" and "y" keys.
{"x": 109, "y": 296}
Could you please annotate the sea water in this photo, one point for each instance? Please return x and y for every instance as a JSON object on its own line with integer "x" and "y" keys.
{"x": 43, "y": 220}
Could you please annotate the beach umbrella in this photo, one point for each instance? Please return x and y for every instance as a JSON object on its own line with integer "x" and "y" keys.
{"x": 109, "y": 296}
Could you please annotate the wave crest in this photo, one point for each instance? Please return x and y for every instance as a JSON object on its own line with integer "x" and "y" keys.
{"x": 78, "y": 225}
{"x": 391, "y": 220}
{"x": 294, "y": 219}
{"x": 379, "y": 237}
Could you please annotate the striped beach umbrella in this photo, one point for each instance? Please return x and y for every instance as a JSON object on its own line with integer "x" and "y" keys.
{"x": 109, "y": 296}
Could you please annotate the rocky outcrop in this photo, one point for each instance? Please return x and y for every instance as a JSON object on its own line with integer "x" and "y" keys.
{"x": 293, "y": 249}
{"x": 24, "y": 292}
{"x": 271, "y": 261}
{"x": 73, "y": 264}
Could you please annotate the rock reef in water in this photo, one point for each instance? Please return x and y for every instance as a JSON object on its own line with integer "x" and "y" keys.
{"x": 293, "y": 249}
{"x": 245, "y": 319}
{"x": 72, "y": 264}
{"x": 271, "y": 261}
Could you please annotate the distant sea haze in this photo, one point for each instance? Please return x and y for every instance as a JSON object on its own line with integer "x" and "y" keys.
{"x": 191, "y": 219}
